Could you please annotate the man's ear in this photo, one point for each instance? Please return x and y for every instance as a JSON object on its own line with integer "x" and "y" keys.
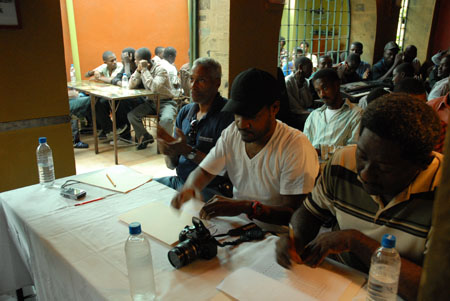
{"x": 275, "y": 107}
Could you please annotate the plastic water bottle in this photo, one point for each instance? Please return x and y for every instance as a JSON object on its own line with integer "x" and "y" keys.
{"x": 73, "y": 76}
{"x": 384, "y": 271}
{"x": 139, "y": 265}
{"x": 45, "y": 163}
{"x": 125, "y": 81}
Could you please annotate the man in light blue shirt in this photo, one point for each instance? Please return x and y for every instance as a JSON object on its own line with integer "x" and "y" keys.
{"x": 337, "y": 122}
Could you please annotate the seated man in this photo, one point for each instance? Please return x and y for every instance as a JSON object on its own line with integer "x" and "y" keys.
{"x": 108, "y": 70}
{"x": 441, "y": 88}
{"x": 385, "y": 184}
{"x": 288, "y": 67}
{"x": 410, "y": 56}
{"x": 300, "y": 98}
{"x": 337, "y": 122}
{"x": 363, "y": 69}
{"x": 153, "y": 77}
{"x": 305, "y": 47}
{"x": 169, "y": 56}
{"x": 198, "y": 126}
{"x": 159, "y": 51}
{"x": 103, "y": 108}
{"x": 413, "y": 87}
{"x": 404, "y": 70}
{"x": 80, "y": 107}
{"x": 391, "y": 58}
{"x": 271, "y": 165}
{"x": 374, "y": 94}
{"x": 325, "y": 61}
{"x": 347, "y": 70}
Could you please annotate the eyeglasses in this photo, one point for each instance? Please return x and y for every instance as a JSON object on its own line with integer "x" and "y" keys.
{"x": 192, "y": 135}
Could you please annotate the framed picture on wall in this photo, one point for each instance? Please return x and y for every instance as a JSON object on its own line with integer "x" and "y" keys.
{"x": 9, "y": 14}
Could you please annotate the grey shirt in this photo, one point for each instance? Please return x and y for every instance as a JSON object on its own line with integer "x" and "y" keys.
{"x": 299, "y": 98}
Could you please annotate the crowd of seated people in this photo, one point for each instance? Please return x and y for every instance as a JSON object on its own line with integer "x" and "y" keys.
{"x": 157, "y": 74}
{"x": 385, "y": 161}
{"x": 383, "y": 154}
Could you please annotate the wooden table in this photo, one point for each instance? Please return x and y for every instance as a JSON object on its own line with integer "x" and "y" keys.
{"x": 112, "y": 94}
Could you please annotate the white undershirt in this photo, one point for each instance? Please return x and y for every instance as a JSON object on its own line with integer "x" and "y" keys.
{"x": 330, "y": 113}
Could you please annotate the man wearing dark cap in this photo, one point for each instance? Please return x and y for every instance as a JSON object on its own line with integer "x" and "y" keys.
{"x": 391, "y": 58}
{"x": 271, "y": 165}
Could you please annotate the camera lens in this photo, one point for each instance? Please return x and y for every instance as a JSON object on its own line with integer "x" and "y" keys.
{"x": 183, "y": 254}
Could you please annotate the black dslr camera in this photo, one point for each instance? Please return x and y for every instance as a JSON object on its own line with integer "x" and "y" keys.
{"x": 195, "y": 242}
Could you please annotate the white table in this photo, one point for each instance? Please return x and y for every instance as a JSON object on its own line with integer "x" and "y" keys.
{"x": 77, "y": 253}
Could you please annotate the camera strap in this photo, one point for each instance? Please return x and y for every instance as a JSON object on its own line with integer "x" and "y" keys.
{"x": 248, "y": 232}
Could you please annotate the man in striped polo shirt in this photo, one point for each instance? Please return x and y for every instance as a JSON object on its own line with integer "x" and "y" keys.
{"x": 384, "y": 184}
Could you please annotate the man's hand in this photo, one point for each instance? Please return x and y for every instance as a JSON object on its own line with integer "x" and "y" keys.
{"x": 73, "y": 93}
{"x": 398, "y": 59}
{"x": 222, "y": 206}
{"x": 90, "y": 73}
{"x": 162, "y": 134}
{"x": 366, "y": 74}
{"x": 185, "y": 195}
{"x": 286, "y": 251}
{"x": 126, "y": 57}
{"x": 143, "y": 64}
{"x": 97, "y": 75}
{"x": 335, "y": 242}
{"x": 170, "y": 146}
{"x": 341, "y": 69}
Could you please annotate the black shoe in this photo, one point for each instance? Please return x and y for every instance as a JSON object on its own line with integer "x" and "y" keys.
{"x": 81, "y": 144}
{"x": 145, "y": 139}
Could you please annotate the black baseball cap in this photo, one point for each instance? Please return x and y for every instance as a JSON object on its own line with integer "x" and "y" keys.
{"x": 252, "y": 89}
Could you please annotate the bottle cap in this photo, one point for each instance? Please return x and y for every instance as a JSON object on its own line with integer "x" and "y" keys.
{"x": 125, "y": 74}
{"x": 135, "y": 228}
{"x": 42, "y": 139}
{"x": 388, "y": 241}
{"x": 71, "y": 65}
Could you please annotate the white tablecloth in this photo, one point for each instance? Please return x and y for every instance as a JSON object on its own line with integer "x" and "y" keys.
{"x": 77, "y": 253}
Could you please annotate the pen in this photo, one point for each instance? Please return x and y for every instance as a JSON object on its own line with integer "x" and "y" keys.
{"x": 110, "y": 180}
{"x": 292, "y": 249}
{"x": 87, "y": 202}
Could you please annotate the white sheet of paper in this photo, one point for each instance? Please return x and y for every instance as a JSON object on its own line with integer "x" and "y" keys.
{"x": 125, "y": 178}
{"x": 246, "y": 284}
{"x": 328, "y": 282}
{"x": 160, "y": 221}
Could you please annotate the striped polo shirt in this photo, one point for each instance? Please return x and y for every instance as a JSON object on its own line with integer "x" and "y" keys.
{"x": 340, "y": 200}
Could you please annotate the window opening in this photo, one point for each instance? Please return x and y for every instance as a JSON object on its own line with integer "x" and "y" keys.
{"x": 402, "y": 18}
{"x": 324, "y": 25}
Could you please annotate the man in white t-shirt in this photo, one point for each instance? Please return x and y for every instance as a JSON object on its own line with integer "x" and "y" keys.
{"x": 337, "y": 122}
{"x": 108, "y": 70}
{"x": 271, "y": 165}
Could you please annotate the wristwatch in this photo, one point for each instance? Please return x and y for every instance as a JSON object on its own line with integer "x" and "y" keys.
{"x": 192, "y": 154}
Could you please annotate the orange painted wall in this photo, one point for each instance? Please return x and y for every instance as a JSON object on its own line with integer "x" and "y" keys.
{"x": 111, "y": 25}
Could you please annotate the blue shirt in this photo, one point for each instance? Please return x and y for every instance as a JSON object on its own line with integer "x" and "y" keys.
{"x": 209, "y": 129}
{"x": 287, "y": 69}
{"x": 363, "y": 66}
{"x": 379, "y": 69}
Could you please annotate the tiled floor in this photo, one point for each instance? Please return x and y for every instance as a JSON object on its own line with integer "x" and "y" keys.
{"x": 146, "y": 161}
